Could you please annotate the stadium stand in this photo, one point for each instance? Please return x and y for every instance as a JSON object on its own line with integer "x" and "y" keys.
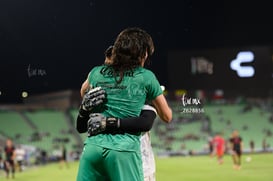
{"x": 14, "y": 126}
{"x": 252, "y": 123}
{"x": 47, "y": 128}
{"x": 52, "y": 129}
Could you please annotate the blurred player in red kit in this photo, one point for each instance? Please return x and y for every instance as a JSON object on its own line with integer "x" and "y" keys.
{"x": 219, "y": 147}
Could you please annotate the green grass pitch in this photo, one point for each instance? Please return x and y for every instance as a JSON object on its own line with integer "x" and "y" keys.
{"x": 198, "y": 168}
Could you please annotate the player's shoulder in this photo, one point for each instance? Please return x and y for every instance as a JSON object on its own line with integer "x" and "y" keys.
{"x": 98, "y": 69}
{"x": 148, "y": 74}
{"x": 147, "y": 71}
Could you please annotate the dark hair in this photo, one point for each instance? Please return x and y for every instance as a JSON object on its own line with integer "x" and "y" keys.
{"x": 129, "y": 49}
{"x": 108, "y": 52}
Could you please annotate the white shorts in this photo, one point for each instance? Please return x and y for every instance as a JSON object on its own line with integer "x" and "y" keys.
{"x": 149, "y": 178}
{"x": 148, "y": 160}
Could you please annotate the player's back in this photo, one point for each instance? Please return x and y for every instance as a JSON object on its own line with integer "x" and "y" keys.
{"x": 124, "y": 99}
{"x": 127, "y": 98}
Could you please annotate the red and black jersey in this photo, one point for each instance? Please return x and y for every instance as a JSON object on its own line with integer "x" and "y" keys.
{"x": 236, "y": 143}
{"x": 9, "y": 152}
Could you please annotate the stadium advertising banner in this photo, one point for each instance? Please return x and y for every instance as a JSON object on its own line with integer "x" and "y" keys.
{"x": 248, "y": 68}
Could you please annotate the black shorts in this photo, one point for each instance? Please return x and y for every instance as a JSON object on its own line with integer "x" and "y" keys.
{"x": 238, "y": 152}
{"x": 11, "y": 162}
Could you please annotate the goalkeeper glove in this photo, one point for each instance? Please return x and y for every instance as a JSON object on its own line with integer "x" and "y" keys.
{"x": 98, "y": 123}
{"x": 93, "y": 98}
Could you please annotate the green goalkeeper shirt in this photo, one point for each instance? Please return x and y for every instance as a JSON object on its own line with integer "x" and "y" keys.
{"x": 125, "y": 99}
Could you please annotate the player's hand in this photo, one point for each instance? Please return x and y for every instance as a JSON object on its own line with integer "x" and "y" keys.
{"x": 98, "y": 123}
{"x": 93, "y": 98}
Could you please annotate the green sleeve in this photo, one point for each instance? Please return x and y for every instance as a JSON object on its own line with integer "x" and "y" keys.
{"x": 153, "y": 87}
{"x": 89, "y": 79}
{"x": 91, "y": 76}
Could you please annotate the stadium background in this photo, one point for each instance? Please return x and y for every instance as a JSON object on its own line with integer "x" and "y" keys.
{"x": 48, "y": 47}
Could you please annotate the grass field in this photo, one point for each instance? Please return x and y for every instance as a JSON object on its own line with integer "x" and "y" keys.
{"x": 199, "y": 168}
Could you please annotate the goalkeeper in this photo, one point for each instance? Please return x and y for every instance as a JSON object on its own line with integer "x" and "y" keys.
{"x": 139, "y": 124}
{"x": 116, "y": 156}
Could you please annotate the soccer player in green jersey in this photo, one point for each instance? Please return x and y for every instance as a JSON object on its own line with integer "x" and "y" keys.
{"x": 97, "y": 123}
{"x": 116, "y": 155}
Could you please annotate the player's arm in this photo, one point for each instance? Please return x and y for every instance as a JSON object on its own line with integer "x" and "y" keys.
{"x": 13, "y": 154}
{"x": 99, "y": 123}
{"x": 231, "y": 145}
{"x": 163, "y": 109}
{"x": 85, "y": 86}
{"x": 91, "y": 99}
{"x": 241, "y": 146}
{"x": 214, "y": 148}
{"x": 139, "y": 124}
{"x": 83, "y": 114}
{"x": 82, "y": 119}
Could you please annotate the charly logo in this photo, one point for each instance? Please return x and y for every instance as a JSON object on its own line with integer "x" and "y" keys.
{"x": 191, "y": 105}
{"x": 243, "y": 70}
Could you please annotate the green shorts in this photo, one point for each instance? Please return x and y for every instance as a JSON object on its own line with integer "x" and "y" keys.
{"x": 103, "y": 164}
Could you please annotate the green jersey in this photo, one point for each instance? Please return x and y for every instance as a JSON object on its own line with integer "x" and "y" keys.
{"x": 125, "y": 99}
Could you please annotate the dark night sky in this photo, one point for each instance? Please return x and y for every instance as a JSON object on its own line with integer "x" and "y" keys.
{"x": 64, "y": 39}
